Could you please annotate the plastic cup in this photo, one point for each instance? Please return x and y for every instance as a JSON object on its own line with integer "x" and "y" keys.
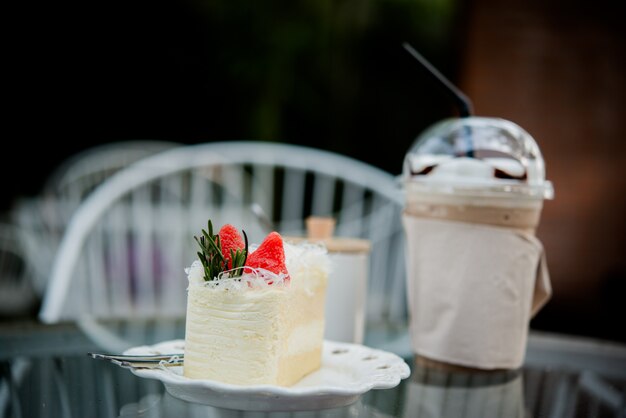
{"x": 474, "y": 172}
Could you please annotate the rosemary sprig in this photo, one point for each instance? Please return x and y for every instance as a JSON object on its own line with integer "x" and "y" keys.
{"x": 212, "y": 258}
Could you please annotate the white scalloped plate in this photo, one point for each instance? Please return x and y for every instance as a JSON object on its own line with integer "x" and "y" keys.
{"x": 347, "y": 372}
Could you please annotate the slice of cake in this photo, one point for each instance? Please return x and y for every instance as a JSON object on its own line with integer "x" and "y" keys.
{"x": 255, "y": 318}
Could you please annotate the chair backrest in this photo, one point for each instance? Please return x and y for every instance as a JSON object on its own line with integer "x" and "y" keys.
{"x": 17, "y": 295}
{"x": 80, "y": 174}
{"x": 43, "y": 219}
{"x": 127, "y": 245}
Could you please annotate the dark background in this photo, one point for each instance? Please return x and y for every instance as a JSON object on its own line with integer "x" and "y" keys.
{"x": 333, "y": 75}
{"x": 322, "y": 73}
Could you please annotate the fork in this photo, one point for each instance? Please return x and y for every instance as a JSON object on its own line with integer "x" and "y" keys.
{"x": 141, "y": 361}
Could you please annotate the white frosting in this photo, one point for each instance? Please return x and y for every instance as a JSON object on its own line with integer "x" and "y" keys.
{"x": 195, "y": 273}
{"x": 298, "y": 258}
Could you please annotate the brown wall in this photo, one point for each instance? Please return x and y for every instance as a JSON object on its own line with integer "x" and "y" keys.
{"x": 559, "y": 71}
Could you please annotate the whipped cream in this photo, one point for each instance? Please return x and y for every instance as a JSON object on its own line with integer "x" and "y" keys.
{"x": 465, "y": 169}
{"x": 298, "y": 258}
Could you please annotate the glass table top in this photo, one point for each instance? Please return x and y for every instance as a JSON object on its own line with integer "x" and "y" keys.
{"x": 45, "y": 372}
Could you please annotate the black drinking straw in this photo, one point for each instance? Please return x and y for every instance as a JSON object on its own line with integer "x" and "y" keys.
{"x": 463, "y": 102}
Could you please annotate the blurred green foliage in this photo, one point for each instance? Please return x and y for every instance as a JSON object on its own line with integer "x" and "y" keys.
{"x": 327, "y": 73}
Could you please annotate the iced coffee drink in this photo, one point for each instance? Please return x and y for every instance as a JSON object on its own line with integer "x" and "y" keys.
{"x": 476, "y": 272}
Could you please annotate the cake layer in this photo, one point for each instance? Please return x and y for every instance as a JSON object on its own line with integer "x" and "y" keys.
{"x": 226, "y": 333}
{"x": 292, "y": 368}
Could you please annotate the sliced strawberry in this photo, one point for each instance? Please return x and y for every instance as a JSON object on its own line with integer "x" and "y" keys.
{"x": 270, "y": 255}
{"x": 230, "y": 240}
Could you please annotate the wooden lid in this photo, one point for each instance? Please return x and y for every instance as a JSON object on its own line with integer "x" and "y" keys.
{"x": 320, "y": 230}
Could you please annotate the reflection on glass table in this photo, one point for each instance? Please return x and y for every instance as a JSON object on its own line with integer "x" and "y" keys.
{"x": 437, "y": 393}
{"x": 165, "y": 405}
{"x": 45, "y": 372}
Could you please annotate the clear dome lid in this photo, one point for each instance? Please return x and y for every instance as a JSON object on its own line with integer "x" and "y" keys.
{"x": 477, "y": 155}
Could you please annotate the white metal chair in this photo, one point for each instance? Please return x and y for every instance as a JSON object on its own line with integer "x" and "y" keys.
{"x": 43, "y": 219}
{"x": 17, "y": 295}
{"x": 126, "y": 246}
{"x": 82, "y": 173}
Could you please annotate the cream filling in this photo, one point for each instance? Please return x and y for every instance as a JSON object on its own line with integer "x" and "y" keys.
{"x": 305, "y": 338}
